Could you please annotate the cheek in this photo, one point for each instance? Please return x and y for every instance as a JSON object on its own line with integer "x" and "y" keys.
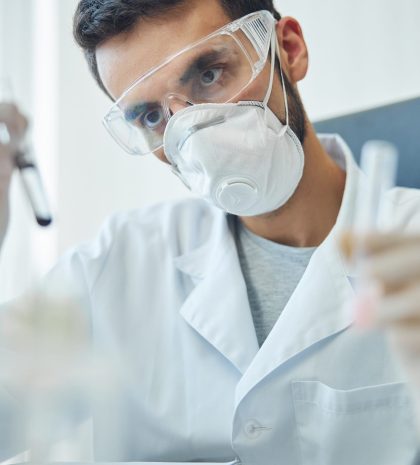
{"x": 255, "y": 91}
{"x": 258, "y": 88}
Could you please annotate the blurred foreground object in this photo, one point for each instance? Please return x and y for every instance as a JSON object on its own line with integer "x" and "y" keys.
{"x": 387, "y": 266}
{"x": 57, "y": 377}
{"x": 25, "y": 162}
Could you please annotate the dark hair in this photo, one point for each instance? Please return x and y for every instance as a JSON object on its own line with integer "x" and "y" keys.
{"x": 96, "y": 21}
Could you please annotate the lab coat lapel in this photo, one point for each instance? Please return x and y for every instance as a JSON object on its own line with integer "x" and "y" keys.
{"x": 319, "y": 308}
{"x": 218, "y": 308}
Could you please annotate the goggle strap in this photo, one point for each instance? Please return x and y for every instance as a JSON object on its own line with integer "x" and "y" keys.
{"x": 273, "y": 57}
{"x": 283, "y": 82}
{"x": 275, "y": 49}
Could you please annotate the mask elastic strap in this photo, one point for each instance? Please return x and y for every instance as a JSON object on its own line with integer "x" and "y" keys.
{"x": 270, "y": 84}
{"x": 275, "y": 49}
{"x": 283, "y": 83}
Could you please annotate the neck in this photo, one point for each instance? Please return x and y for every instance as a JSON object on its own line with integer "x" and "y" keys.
{"x": 308, "y": 217}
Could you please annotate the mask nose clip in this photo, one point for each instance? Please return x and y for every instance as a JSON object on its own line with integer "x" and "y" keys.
{"x": 198, "y": 127}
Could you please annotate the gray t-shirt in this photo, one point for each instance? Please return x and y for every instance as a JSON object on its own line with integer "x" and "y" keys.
{"x": 271, "y": 271}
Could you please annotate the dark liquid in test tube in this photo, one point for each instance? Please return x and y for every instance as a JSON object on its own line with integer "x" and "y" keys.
{"x": 34, "y": 188}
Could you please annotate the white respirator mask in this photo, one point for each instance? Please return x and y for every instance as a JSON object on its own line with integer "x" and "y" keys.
{"x": 237, "y": 156}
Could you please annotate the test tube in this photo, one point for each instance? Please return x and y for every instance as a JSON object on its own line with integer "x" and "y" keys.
{"x": 379, "y": 161}
{"x": 25, "y": 162}
{"x": 33, "y": 186}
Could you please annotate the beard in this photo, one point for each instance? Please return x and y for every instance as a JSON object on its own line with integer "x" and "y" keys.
{"x": 297, "y": 123}
{"x": 297, "y": 115}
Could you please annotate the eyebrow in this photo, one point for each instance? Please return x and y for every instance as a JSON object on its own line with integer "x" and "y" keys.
{"x": 133, "y": 111}
{"x": 198, "y": 63}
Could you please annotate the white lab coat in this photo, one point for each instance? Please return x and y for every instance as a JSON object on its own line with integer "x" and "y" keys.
{"x": 165, "y": 284}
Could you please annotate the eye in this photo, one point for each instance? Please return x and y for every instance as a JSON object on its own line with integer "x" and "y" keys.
{"x": 153, "y": 118}
{"x": 211, "y": 76}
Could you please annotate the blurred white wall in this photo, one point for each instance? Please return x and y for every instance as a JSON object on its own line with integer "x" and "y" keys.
{"x": 363, "y": 54}
{"x": 27, "y": 59}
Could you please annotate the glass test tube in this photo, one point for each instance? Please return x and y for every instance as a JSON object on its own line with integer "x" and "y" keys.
{"x": 33, "y": 186}
{"x": 379, "y": 161}
{"x": 25, "y": 162}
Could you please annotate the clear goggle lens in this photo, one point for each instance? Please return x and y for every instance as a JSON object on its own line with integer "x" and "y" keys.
{"x": 214, "y": 70}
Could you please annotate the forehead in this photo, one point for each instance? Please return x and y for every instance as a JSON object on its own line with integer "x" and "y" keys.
{"x": 123, "y": 58}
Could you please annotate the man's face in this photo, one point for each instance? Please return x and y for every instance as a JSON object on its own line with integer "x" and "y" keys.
{"x": 124, "y": 58}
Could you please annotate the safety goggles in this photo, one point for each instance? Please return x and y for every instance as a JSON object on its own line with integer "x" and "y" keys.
{"x": 216, "y": 69}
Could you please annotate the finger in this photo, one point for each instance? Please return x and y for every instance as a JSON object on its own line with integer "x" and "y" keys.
{"x": 399, "y": 309}
{"x": 347, "y": 243}
{"x": 6, "y": 169}
{"x": 374, "y": 243}
{"x": 397, "y": 266}
{"x": 406, "y": 339}
{"x": 15, "y": 122}
{"x": 7, "y": 164}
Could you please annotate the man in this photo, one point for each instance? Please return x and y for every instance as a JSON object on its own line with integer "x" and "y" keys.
{"x": 231, "y": 314}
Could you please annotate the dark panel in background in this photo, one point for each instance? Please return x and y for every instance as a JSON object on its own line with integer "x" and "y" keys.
{"x": 398, "y": 123}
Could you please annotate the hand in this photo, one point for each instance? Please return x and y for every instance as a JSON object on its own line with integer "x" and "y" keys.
{"x": 12, "y": 124}
{"x": 16, "y": 125}
{"x": 391, "y": 263}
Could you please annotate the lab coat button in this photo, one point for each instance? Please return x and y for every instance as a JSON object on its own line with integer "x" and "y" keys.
{"x": 253, "y": 429}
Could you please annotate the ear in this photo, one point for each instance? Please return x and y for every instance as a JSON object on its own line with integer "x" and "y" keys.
{"x": 294, "y": 53}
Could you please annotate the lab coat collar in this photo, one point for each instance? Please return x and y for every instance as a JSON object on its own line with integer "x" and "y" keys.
{"x": 218, "y": 307}
{"x": 318, "y": 309}
{"x": 320, "y": 305}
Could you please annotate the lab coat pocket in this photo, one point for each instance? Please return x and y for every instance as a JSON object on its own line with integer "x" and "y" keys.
{"x": 370, "y": 425}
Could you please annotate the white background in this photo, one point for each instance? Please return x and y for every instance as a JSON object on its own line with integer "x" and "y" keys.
{"x": 363, "y": 53}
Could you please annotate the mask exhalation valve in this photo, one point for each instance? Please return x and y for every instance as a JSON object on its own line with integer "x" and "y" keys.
{"x": 237, "y": 195}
